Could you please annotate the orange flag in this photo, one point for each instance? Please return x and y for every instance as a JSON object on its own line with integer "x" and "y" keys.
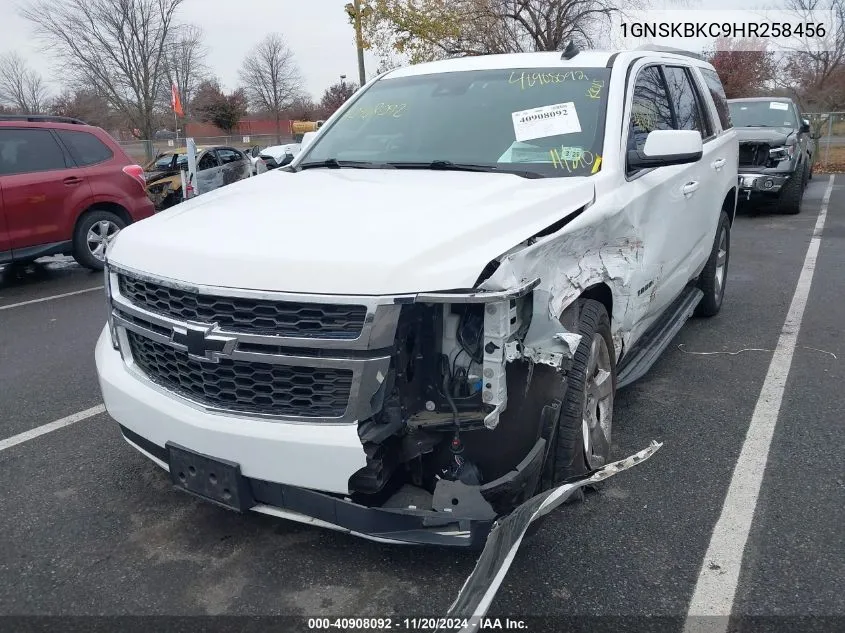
{"x": 175, "y": 102}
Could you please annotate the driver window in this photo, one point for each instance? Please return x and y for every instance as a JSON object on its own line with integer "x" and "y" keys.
{"x": 207, "y": 162}
{"x": 650, "y": 109}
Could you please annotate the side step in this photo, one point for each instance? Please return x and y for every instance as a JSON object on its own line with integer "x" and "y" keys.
{"x": 648, "y": 349}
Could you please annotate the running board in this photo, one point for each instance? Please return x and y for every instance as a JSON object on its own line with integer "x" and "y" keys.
{"x": 648, "y": 349}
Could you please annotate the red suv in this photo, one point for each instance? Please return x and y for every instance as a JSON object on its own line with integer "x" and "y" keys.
{"x": 65, "y": 188}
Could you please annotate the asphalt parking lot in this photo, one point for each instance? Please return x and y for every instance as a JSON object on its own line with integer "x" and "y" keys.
{"x": 90, "y": 527}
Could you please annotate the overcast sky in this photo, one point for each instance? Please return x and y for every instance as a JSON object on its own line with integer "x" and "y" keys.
{"x": 318, "y": 32}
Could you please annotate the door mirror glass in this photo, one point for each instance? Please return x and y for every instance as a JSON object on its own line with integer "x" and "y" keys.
{"x": 667, "y": 147}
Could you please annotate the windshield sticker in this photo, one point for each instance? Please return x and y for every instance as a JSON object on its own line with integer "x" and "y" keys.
{"x": 777, "y": 105}
{"x": 594, "y": 91}
{"x": 545, "y": 121}
{"x": 394, "y": 110}
{"x": 529, "y": 80}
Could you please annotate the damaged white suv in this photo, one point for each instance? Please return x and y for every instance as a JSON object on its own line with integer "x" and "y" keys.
{"x": 422, "y": 321}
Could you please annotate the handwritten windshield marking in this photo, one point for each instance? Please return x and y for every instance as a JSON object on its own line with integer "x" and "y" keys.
{"x": 596, "y": 165}
{"x": 594, "y": 91}
{"x": 394, "y": 110}
{"x": 571, "y": 158}
{"x": 529, "y": 80}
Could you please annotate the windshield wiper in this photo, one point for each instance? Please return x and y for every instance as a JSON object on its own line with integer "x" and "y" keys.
{"x": 447, "y": 165}
{"x": 333, "y": 163}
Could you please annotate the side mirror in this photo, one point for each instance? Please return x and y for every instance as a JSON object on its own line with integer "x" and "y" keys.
{"x": 667, "y": 147}
{"x": 805, "y": 126}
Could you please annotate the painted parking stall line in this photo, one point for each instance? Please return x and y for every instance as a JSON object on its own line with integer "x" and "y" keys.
{"x": 50, "y": 298}
{"x": 20, "y": 438}
{"x": 719, "y": 575}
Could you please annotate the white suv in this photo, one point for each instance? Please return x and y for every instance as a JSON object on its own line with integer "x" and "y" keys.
{"x": 423, "y": 319}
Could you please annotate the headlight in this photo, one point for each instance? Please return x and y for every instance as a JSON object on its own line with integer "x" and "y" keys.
{"x": 785, "y": 152}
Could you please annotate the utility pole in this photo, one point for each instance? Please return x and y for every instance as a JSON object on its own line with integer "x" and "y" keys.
{"x": 359, "y": 43}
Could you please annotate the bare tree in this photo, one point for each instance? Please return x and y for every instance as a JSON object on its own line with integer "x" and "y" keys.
{"x": 185, "y": 62}
{"x": 431, "y": 29}
{"x": 817, "y": 78}
{"x": 85, "y": 104}
{"x": 117, "y": 47}
{"x": 271, "y": 77}
{"x": 20, "y": 86}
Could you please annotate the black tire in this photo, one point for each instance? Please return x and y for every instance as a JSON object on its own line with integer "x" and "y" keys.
{"x": 709, "y": 281}
{"x": 810, "y": 173}
{"x": 81, "y": 251}
{"x": 570, "y": 457}
{"x": 789, "y": 201}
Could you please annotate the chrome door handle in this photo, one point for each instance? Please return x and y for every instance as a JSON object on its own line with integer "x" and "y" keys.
{"x": 689, "y": 188}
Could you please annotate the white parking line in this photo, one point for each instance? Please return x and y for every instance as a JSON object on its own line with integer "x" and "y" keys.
{"x": 50, "y": 298}
{"x": 20, "y": 438}
{"x": 717, "y": 581}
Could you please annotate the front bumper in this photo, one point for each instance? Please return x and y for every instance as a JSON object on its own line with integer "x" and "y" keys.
{"x": 295, "y": 471}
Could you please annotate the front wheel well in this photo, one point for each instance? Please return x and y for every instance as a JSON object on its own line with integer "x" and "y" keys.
{"x": 602, "y": 293}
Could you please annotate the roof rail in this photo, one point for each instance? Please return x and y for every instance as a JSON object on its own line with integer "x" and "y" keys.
{"x": 40, "y": 118}
{"x": 657, "y": 48}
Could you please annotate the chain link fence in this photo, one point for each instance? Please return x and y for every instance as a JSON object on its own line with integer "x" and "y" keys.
{"x": 142, "y": 151}
{"x": 828, "y": 130}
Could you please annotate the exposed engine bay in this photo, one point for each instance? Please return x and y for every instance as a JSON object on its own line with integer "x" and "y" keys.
{"x": 445, "y": 436}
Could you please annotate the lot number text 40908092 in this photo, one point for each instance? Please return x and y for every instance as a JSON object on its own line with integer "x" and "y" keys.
{"x": 414, "y": 624}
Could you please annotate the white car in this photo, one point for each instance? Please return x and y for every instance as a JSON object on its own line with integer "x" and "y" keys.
{"x": 472, "y": 256}
{"x": 257, "y": 164}
{"x": 280, "y": 155}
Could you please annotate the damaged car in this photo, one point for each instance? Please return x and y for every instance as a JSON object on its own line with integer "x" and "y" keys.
{"x": 216, "y": 167}
{"x": 775, "y": 151}
{"x": 473, "y": 256}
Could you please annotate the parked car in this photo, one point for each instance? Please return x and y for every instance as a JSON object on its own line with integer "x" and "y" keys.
{"x": 65, "y": 188}
{"x": 216, "y": 167}
{"x": 257, "y": 164}
{"x": 775, "y": 150}
{"x": 277, "y": 156}
{"x": 472, "y": 256}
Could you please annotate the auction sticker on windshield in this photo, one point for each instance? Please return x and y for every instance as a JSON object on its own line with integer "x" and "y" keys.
{"x": 545, "y": 121}
{"x": 777, "y": 105}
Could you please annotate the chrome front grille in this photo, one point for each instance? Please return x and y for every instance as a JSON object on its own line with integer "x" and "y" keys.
{"x": 248, "y": 387}
{"x": 288, "y": 357}
{"x": 249, "y": 315}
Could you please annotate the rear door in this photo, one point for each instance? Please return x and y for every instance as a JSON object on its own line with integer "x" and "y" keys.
{"x": 95, "y": 158}
{"x": 43, "y": 191}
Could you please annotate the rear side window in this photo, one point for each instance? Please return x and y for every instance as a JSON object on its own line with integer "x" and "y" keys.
{"x": 650, "y": 109}
{"x": 24, "y": 151}
{"x": 85, "y": 148}
{"x": 684, "y": 100}
{"x": 717, "y": 91}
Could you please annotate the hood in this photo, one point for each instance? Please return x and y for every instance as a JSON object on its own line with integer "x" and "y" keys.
{"x": 278, "y": 151}
{"x": 773, "y": 136}
{"x": 348, "y": 231}
{"x": 154, "y": 176}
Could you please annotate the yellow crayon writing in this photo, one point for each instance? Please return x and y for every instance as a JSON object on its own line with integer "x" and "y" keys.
{"x": 594, "y": 91}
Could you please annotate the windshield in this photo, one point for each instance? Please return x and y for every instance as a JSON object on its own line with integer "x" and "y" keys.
{"x": 163, "y": 162}
{"x": 547, "y": 121}
{"x": 762, "y": 114}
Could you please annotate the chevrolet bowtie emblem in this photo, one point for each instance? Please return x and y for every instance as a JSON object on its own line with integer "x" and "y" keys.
{"x": 202, "y": 342}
